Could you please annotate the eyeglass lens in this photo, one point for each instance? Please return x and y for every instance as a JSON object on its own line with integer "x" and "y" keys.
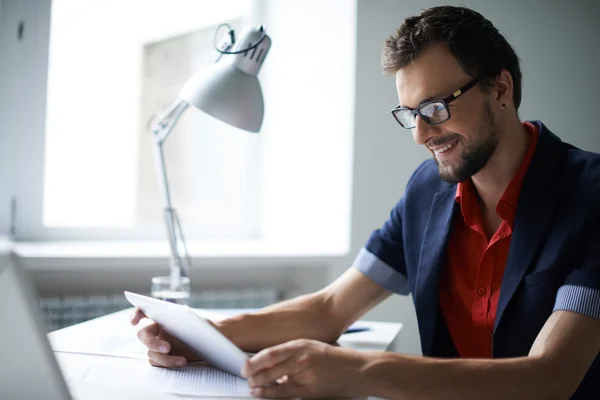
{"x": 433, "y": 113}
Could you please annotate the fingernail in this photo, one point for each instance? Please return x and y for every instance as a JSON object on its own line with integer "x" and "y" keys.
{"x": 180, "y": 363}
{"x": 254, "y": 392}
{"x": 163, "y": 348}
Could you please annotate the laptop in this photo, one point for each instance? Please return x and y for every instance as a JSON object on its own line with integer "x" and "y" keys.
{"x": 28, "y": 367}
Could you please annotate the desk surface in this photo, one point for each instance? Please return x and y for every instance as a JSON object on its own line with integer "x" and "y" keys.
{"x": 113, "y": 335}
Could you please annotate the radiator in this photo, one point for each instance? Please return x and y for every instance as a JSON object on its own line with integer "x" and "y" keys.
{"x": 62, "y": 311}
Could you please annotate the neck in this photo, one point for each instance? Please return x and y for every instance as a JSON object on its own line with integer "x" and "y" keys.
{"x": 493, "y": 179}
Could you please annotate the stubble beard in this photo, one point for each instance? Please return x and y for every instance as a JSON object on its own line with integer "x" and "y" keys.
{"x": 476, "y": 153}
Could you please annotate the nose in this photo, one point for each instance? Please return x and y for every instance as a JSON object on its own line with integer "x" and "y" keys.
{"x": 422, "y": 130}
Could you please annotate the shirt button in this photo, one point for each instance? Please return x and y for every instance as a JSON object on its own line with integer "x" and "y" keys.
{"x": 481, "y": 291}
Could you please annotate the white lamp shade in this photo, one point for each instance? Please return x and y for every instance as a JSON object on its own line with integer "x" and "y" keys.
{"x": 228, "y": 94}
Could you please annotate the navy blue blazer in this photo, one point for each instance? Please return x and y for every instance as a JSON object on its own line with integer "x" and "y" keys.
{"x": 553, "y": 261}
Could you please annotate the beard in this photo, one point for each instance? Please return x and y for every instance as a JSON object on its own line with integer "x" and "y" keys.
{"x": 476, "y": 152}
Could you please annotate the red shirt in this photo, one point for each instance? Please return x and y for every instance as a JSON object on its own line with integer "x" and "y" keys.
{"x": 470, "y": 282}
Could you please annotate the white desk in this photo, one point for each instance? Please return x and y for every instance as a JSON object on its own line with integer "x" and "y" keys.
{"x": 115, "y": 334}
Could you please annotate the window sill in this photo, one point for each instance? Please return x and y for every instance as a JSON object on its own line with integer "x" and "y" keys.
{"x": 148, "y": 254}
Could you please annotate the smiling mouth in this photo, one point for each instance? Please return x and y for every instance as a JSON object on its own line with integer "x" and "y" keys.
{"x": 445, "y": 148}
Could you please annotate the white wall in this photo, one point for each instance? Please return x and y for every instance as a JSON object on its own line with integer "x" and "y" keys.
{"x": 5, "y": 144}
{"x": 22, "y": 104}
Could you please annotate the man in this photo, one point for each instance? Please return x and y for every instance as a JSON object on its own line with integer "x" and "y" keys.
{"x": 497, "y": 238}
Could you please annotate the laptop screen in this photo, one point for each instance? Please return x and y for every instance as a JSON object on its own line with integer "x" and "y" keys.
{"x": 28, "y": 369}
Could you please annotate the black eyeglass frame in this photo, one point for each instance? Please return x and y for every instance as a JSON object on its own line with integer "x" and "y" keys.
{"x": 445, "y": 101}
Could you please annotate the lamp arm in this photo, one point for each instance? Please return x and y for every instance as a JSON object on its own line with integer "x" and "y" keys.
{"x": 161, "y": 129}
{"x": 162, "y": 126}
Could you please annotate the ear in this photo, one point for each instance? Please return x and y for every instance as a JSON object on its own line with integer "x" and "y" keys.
{"x": 502, "y": 90}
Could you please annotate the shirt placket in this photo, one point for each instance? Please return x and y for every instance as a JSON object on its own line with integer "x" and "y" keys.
{"x": 482, "y": 290}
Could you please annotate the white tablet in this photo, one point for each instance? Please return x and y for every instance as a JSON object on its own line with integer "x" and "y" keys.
{"x": 193, "y": 331}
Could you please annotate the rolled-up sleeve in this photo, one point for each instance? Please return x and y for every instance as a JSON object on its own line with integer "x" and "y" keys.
{"x": 382, "y": 257}
{"x": 580, "y": 292}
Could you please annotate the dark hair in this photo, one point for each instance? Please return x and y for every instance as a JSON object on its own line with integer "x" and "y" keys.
{"x": 480, "y": 49}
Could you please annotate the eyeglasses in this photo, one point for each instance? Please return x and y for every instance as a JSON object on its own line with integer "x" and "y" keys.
{"x": 433, "y": 112}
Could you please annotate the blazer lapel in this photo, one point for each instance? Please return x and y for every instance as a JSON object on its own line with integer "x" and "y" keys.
{"x": 430, "y": 263}
{"x": 535, "y": 210}
{"x": 533, "y": 218}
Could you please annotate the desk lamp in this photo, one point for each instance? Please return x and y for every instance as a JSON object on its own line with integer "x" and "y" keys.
{"x": 227, "y": 90}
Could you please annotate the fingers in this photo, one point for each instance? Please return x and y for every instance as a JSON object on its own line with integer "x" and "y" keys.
{"x": 149, "y": 337}
{"x": 282, "y": 391}
{"x": 158, "y": 359}
{"x": 158, "y": 349}
{"x": 290, "y": 367}
{"x": 137, "y": 316}
{"x": 273, "y": 363}
{"x": 267, "y": 358}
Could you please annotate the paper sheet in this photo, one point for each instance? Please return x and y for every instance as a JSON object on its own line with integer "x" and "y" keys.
{"x": 197, "y": 380}
{"x": 128, "y": 347}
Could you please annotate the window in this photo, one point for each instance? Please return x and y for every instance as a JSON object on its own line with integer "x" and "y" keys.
{"x": 113, "y": 65}
{"x": 83, "y": 169}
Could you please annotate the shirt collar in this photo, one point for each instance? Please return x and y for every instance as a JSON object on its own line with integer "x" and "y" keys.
{"x": 507, "y": 206}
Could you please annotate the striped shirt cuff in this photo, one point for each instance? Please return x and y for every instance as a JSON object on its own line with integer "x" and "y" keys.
{"x": 381, "y": 273}
{"x": 580, "y": 299}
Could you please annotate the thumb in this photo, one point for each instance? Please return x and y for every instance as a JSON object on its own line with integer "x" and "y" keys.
{"x": 137, "y": 316}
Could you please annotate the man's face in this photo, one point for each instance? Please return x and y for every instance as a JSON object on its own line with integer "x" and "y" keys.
{"x": 462, "y": 145}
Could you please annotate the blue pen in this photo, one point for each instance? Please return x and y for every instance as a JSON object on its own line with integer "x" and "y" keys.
{"x": 355, "y": 329}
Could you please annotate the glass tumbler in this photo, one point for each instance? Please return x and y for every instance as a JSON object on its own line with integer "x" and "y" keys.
{"x": 162, "y": 289}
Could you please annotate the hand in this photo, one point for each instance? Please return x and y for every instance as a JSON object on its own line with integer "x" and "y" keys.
{"x": 307, "y": 369}
{"x": 163, "y": 349}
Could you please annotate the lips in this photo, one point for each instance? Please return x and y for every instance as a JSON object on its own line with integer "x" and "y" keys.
{"x": 444, "y": 148}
